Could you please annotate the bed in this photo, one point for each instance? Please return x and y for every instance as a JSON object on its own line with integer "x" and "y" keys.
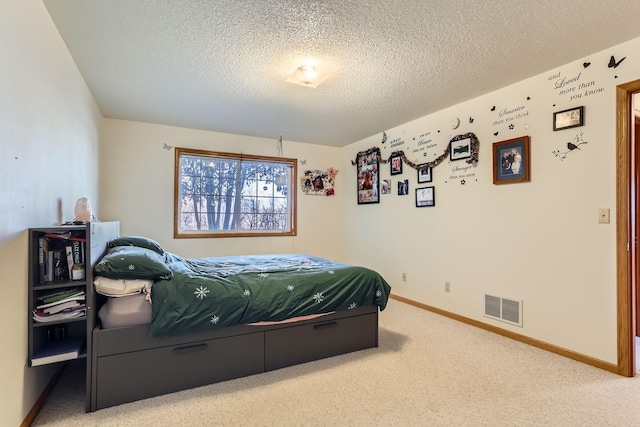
{"x": 215, "y": 319}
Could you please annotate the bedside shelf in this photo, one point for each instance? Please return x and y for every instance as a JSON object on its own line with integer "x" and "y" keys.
{"x": 59, "y": 285}
{"x": 79, "y": 246}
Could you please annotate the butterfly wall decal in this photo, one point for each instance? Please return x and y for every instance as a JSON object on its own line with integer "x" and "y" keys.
{"x": 167, "y": 147}
{"x": 613, "y": 63}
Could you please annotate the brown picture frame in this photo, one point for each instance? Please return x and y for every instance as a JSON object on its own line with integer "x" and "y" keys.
{"x": 511, "y": 161}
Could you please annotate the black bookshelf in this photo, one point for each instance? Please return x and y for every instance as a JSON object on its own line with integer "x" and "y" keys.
{"x": 55, "y": 334}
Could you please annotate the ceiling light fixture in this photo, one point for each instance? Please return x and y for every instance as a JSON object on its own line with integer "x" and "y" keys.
{"x": 306, "y": 75}
{"x": 309, "y": 72}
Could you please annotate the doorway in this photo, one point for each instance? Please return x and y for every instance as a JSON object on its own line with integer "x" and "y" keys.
{"x": 635, "y": 145}
{"x": 626, "y": 242}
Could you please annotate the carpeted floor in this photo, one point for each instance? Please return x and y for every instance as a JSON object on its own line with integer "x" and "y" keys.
{"x": 429, "y": 370}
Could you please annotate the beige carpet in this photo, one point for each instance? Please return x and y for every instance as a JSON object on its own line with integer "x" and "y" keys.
{"x": 428, "y": 371}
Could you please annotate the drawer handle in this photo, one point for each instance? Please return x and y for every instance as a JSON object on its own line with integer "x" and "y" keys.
{"x": 190, "y": 348}
{"x": 325, "y": 325}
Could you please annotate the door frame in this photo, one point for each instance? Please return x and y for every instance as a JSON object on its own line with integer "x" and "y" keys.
{"x": 635, "y": 192}
{"x": 624, "y": 238}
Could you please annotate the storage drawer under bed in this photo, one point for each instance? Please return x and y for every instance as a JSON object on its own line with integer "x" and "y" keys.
{"x": 304, "y": 343}
{"x": 127, "y": 377}
{"x": 129, "y": 365}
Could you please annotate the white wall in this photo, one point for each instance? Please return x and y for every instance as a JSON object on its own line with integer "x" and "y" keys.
{"x": 138, "y": 182}
{"x": 49, "y": 147}
{"x": 538, "y": 241}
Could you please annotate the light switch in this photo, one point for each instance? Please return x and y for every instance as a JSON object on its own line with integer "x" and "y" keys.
{"x": 603, "y": 216}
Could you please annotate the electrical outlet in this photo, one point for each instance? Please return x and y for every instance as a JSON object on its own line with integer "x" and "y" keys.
{"x": 447, "y": 287}
{"x": 404, "y": 277}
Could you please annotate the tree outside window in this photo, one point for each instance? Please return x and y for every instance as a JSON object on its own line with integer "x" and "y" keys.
{"x": 225, "y": 194}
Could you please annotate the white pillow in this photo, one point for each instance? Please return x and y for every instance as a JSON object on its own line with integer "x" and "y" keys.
{"x": 128, "y": 311}
{"x": 120, "y": 288}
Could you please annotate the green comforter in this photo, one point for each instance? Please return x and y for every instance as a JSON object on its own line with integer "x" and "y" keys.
{"x": 210, "y": 293}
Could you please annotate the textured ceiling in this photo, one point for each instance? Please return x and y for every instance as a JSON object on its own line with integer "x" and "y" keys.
{"x": 221, "y": 65}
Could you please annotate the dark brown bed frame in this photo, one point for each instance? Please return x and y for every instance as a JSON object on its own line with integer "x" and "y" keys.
{"x": 126, "y": 364}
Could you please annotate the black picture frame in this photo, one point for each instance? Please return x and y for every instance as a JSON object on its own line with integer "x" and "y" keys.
{"x": 567, "y": 119}
{"x": 460, "y": 148}
{"x": 425, "y": 197}
{"x": 424, "y": 174}
{"x": 511, "y": 161}
{"x": 396, "y": 165}
{"x": 403, "y": 187}
{"x": 368, "y": 175}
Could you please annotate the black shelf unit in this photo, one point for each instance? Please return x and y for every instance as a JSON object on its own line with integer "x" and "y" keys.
{"x": 42, "y": 334}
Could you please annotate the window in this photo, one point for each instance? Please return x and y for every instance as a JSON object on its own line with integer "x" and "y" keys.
{"x": 227, "y": 195}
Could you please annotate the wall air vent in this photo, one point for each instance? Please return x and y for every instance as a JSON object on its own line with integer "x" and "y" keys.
{"x": 503, "y": 309}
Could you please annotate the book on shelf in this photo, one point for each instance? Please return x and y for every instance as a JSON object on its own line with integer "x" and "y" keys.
{"x": 42, "y": 263}
{"x": 74, "y": 298}
{"x": 58, "y": 253}
{"x": 57, "y": 296}
{"x": 70, "y": 313}
{"x": 58, "y": 351}
{"x": 77, "y": 251}
{"x": 68, "y": 249}
{"x": 60, "y": 270}
{"x": 61, "y": 306}
{"x": 49, "y": 266}
{"x": 65, "y": 236}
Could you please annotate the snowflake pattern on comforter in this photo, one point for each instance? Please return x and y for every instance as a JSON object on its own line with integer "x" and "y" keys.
{"x": 211, "y": 293}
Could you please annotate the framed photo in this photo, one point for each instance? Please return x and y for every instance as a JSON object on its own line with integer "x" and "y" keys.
{"x": 396, "y": 165}
{"x": 386, "y": 186}
{"x": 459, "y": 149}
{"x": 403, "y": 187}
{"x": 368, "y": 177}
{"x": 425, "y": 197}
{"x": 511, "y": 161}
{"x": 570, "y": 118}
{"x": 424, "y": 174}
